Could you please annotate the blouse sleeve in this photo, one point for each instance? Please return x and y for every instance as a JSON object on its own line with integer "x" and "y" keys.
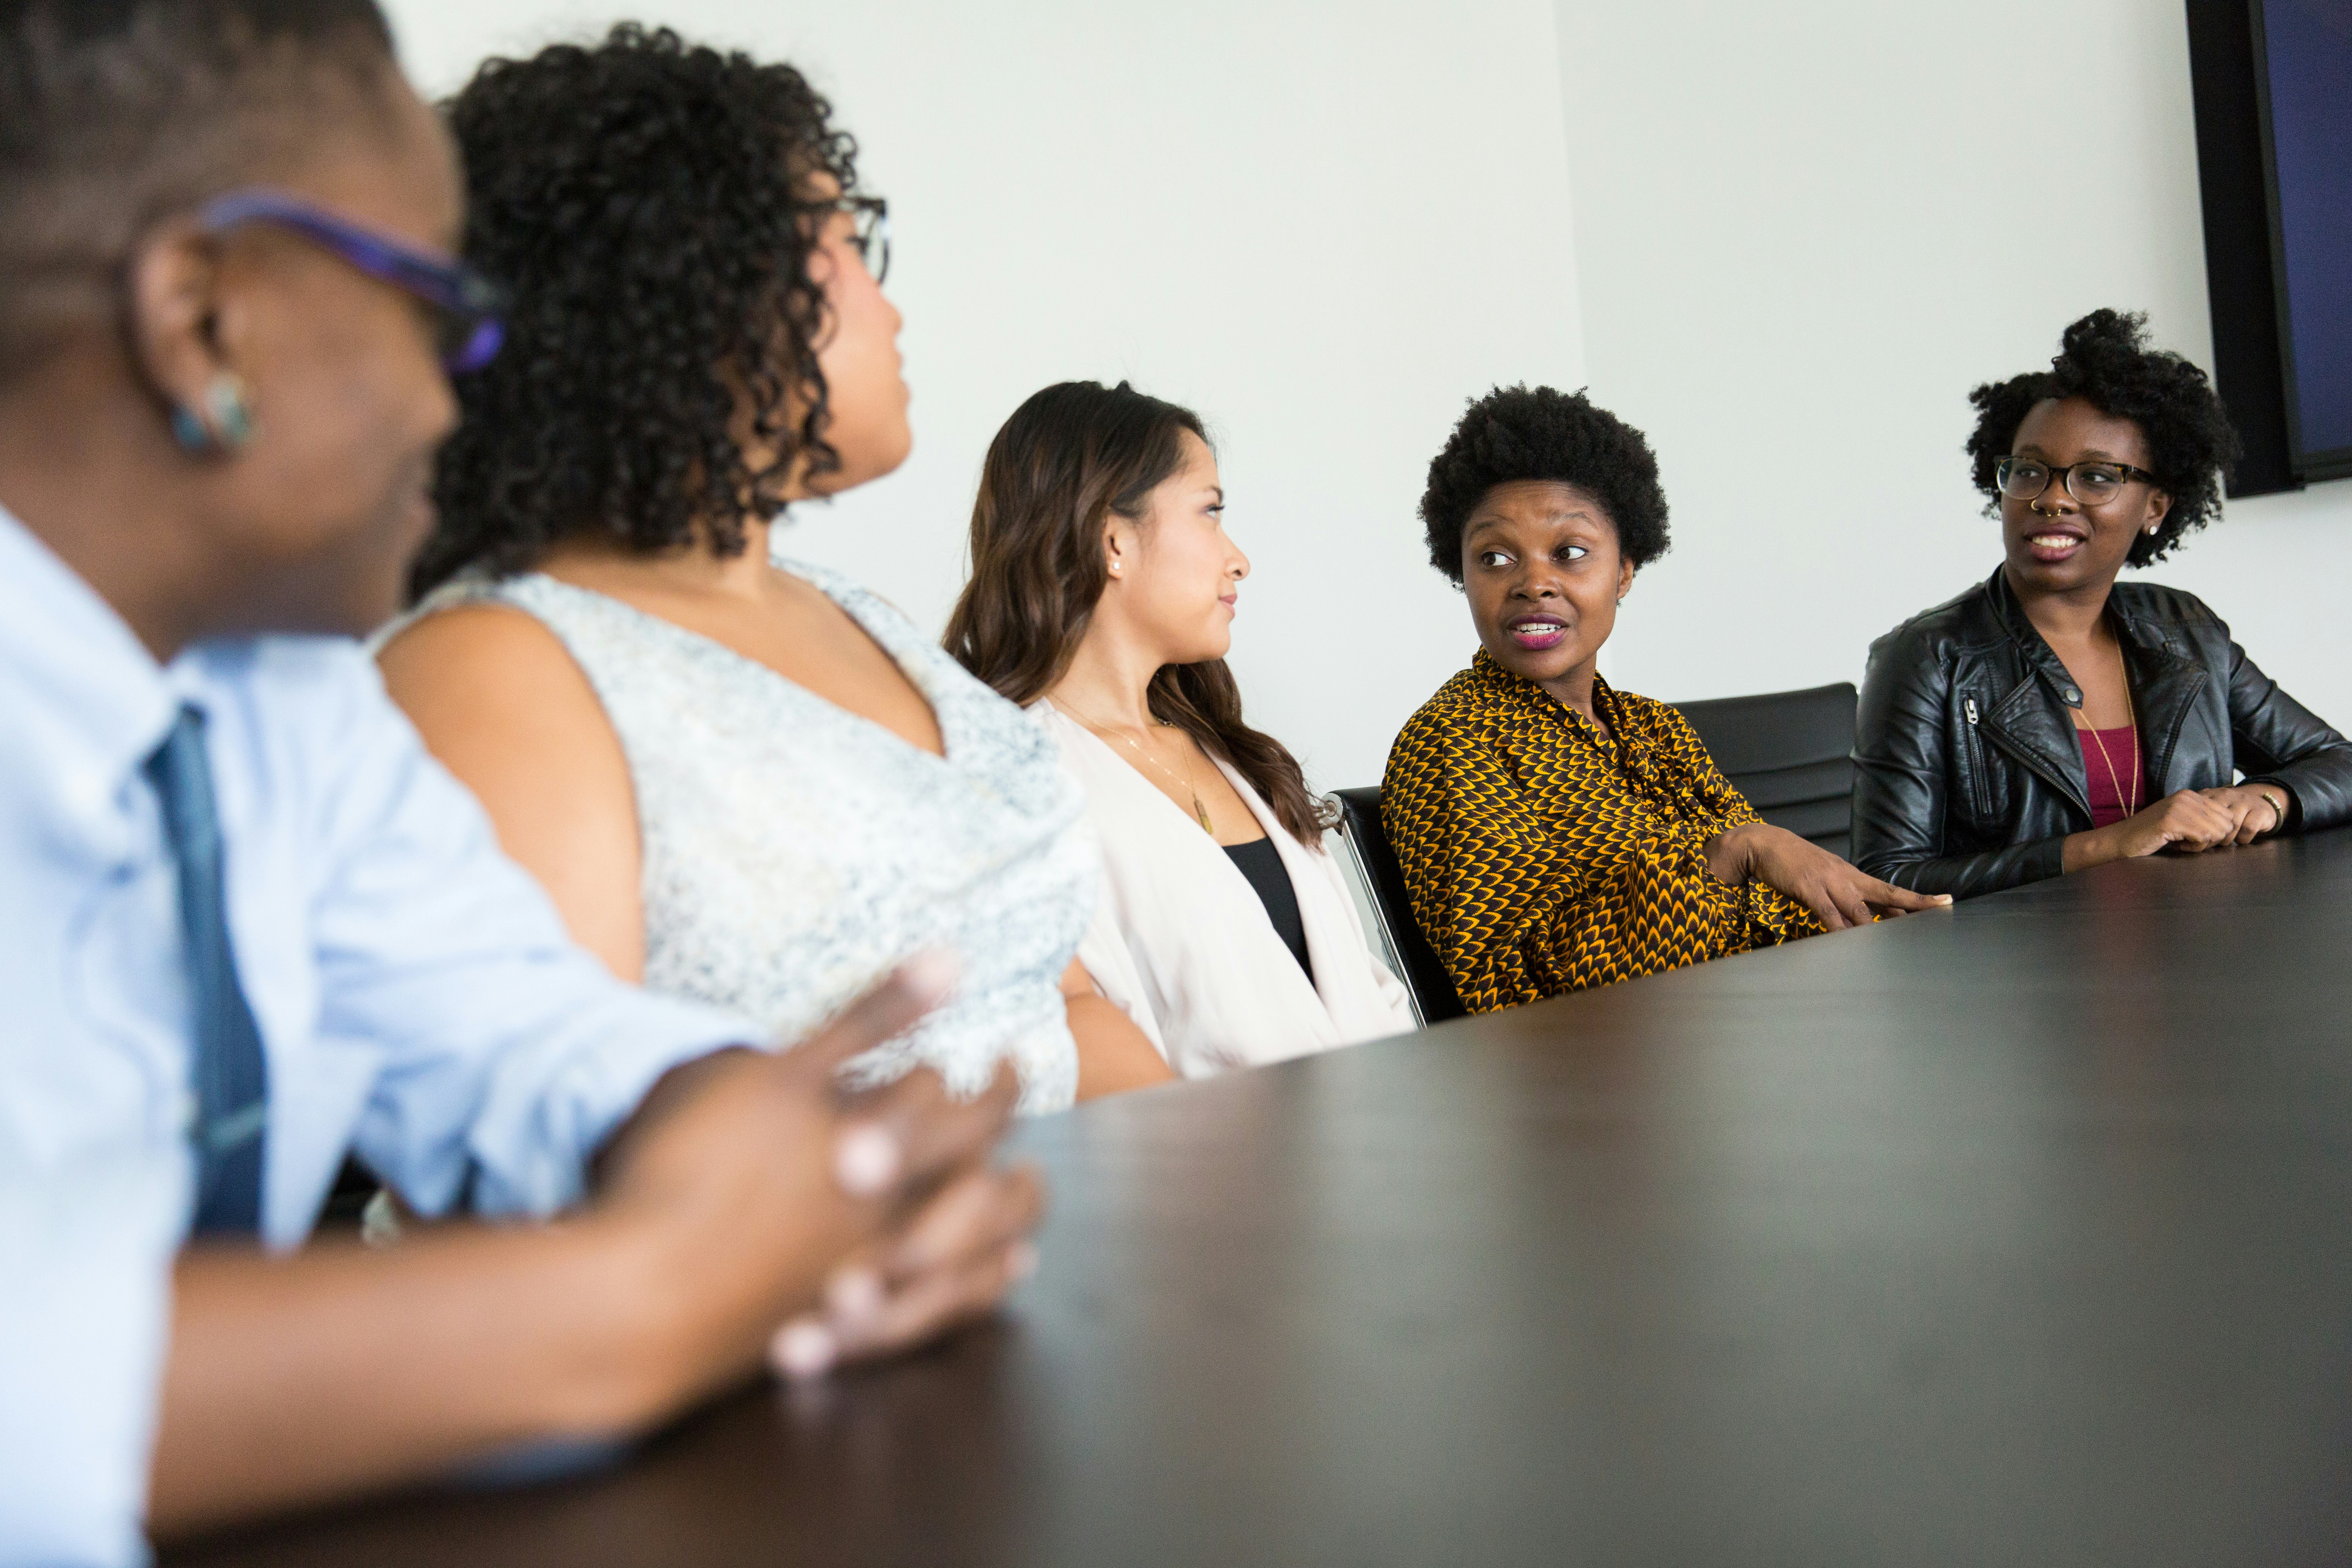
{"x": 1721, "y": 803}
{"x": 1486, "y": 891}
{"x": 1771, "y": 916}
{"x": 1515, "y": 916}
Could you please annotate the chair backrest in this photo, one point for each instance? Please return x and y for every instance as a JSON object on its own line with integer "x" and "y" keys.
{"x": 1361, "y": 830}
{"x": 1791, "y": 753}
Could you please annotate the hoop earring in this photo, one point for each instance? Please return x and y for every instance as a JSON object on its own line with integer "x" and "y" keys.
{"x": 228, "y": 428}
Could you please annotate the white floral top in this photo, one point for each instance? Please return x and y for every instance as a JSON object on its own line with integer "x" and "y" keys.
{"x": 795, "y": 851}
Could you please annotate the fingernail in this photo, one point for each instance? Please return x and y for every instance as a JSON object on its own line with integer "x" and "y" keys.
{"x": 865, "y": 1160}
{"x": 933, "y": 973}
{"x": 802, "y": 1347}
{"x": 1023, "y": 1259}
{"x": 854, "y": 1296}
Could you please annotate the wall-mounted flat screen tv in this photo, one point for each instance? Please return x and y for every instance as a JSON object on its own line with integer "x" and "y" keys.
{"x": 2303, "y": 56}
{"x": 2273, "y": 84}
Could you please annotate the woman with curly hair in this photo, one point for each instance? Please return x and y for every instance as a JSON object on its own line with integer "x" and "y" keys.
{"x": 743, "y": 779}
{"x": 2052, "y": 719}
{"x": 1102, "y": 596}
{"x": 1556, "y": 833}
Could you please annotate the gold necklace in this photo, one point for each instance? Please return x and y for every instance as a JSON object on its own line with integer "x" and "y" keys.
{"x": 2132, "y": 808}
{"x": 1200, "y": 812}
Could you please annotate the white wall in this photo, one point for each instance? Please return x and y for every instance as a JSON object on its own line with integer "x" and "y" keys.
{"x": 1323, "y": 226}
{"x": 1792, "y": 240}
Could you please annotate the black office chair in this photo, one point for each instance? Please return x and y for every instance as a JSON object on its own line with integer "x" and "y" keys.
{"x": 1366, "y": 838}
{"x": 1791, "y": 753}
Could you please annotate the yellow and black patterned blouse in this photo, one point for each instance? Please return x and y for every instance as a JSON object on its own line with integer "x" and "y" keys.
{"x": 1543, "y": 858}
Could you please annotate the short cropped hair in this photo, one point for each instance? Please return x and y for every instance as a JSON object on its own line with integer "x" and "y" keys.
{"x": 116, "y": 113}
{"x": 2104, "y": 360}
{"x": 1520, "y": 433}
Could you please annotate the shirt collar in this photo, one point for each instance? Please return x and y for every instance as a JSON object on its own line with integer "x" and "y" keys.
{"x": 1493, "y": 677}
{"x": 89, "y": 700}
{"x": 1489, "y": 670}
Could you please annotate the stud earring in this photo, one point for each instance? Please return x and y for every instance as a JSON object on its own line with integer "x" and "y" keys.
{"x": 232, "y": 412}
{"x": 230, "y": 427}
{"x": 189, "y": 432}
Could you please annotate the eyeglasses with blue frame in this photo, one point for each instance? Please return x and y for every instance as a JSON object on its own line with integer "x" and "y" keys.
{"x": 465, "y": 305}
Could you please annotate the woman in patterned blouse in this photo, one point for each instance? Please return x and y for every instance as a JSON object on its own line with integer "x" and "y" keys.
{"x": 1555, "y": 833}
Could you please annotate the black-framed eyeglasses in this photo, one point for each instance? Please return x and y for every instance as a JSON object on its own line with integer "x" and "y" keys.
{"x": 465, "y": 305}
{"x": 2093, "y": 484}
{"x": 869, "y": 233}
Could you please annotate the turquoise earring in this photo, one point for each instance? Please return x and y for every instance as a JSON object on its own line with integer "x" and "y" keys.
{"x": 232, "y": 414}
{"x": 226, "y": 424}
{"x": 189, "y": 432}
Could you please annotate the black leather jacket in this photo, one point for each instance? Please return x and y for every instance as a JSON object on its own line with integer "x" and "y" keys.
{"x": 1967, "y": 776}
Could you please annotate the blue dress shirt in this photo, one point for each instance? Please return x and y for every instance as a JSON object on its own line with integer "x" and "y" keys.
{"x": 417, "y": 998}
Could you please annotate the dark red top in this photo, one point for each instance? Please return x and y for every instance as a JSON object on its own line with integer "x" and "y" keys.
{"x": 2110, "y": 803}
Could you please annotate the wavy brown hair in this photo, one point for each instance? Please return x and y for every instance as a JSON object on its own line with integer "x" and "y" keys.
{"x": 1071, "y": 456}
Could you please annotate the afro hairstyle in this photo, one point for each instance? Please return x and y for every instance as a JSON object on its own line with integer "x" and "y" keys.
{"x": 2104, "y": 360}
{"x": 1516, "y": 433}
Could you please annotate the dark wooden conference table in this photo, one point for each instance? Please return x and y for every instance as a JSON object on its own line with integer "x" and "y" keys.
{"x": 2017, "y": 1233}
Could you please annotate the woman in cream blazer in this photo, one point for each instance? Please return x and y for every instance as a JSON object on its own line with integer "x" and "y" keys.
{"x": 1181, "y": 940}
{"x": 1102, "y": 597}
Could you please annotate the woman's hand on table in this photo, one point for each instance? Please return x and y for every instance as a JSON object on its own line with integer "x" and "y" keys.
{"x": 2257, "y": 809}
{"x": 2188, "y": 821}
{"x": 1836, "y": 893}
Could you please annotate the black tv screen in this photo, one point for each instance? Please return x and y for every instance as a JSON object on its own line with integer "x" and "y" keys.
{"x": 2304, "y": 69}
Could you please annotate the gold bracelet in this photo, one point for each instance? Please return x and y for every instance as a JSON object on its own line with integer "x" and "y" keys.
{"x": 2278, "y": 813}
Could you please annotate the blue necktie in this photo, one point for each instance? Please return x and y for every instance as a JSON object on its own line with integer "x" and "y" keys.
{"x": 232, "y": 1080}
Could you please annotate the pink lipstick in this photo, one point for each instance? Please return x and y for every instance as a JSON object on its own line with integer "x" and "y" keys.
{"x": 1536, "y": 633}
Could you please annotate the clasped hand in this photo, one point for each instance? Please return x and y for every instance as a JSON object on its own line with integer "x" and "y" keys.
{"x": 2192, "y": 821}
{"x": 787, "y": 1219}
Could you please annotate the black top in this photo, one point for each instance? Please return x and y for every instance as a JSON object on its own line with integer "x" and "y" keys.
{"x": 1914, "y": 1244}
{"x": 1967, "y": 777}
{"x": 1261, "y": 862}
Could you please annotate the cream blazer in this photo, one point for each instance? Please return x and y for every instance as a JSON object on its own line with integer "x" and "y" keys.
{"x": 1181, "y": 942}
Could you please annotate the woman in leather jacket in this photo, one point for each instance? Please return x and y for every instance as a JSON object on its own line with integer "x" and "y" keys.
{"x": 2050, "y": 719}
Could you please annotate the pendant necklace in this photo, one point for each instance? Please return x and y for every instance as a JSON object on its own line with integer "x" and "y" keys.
{"x": 2131, "y": 808}
{"x": 1200, "y": 812}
